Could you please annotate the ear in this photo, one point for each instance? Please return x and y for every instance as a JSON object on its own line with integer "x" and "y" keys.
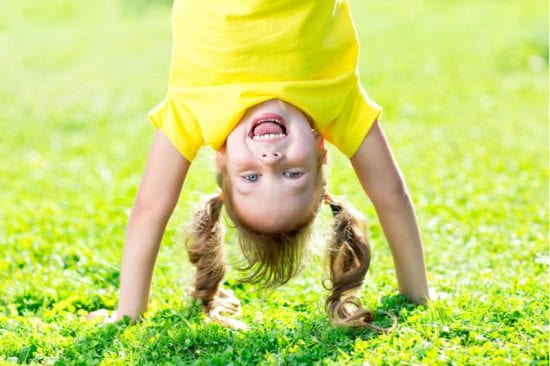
{"x": 220, "y": 157}
{"x": 320, "y": 145}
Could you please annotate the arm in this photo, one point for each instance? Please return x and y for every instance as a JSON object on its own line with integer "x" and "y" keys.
{"x": 156, "y": 198}
{"x": 382, "y": 181}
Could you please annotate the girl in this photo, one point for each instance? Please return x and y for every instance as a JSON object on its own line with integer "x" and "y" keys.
{"x": 264, "y": 83}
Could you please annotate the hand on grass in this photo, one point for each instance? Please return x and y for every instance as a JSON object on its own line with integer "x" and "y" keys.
{"x": 225, "y": 321}
{"x": 103, "y": 313}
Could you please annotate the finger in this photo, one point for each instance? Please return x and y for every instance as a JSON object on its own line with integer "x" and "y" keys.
{"x": 98, "y": 313}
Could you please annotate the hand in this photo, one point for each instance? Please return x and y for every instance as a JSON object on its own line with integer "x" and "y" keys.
{"x": 103, "y": 313}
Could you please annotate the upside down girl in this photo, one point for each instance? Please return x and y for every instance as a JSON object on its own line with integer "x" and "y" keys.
{"x": 265, "y": 83}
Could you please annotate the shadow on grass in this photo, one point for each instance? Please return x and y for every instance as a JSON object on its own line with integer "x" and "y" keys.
{"x": 180, "y": 336}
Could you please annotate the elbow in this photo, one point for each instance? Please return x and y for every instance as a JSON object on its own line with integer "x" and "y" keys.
{"x": 152, "y": 208}
{"x": 391, "y": 196}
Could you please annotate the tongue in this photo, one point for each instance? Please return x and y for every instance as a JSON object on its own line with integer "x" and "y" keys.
{"x": 267, "y": 128}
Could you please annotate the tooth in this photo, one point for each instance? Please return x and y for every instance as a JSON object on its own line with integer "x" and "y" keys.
{"x": 268, "y": 136}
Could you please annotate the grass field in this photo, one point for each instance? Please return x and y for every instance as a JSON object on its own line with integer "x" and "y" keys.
{"x": 464, "y": 85}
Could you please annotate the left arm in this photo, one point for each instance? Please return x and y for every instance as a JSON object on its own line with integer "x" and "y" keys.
{"x": 383, "y": 182}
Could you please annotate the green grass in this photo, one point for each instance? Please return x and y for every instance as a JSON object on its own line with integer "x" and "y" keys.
{"x": 464, "y": 85}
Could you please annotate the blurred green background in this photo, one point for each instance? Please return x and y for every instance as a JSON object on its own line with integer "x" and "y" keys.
{"x": 464, "y": 86}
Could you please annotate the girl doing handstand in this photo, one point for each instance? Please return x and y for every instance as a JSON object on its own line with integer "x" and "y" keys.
{"x": 265, "y": 83}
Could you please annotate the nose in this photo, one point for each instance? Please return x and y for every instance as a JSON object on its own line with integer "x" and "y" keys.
{"x": 271, "y": 158}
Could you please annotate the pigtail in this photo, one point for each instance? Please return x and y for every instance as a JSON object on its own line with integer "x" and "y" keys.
{"x": 349, "y": 261}
{"x": 205, "y": 248}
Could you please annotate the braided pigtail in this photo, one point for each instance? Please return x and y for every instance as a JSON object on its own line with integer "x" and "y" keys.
{"x": 349, "y": 261}
{"x": 205, "y": 248}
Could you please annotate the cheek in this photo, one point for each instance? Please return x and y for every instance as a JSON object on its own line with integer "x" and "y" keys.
{"x": 303, "y": 154}
{"x": 237, "y": 158}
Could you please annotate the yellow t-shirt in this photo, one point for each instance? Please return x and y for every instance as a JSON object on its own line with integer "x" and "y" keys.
{"x": 229, "y": 55}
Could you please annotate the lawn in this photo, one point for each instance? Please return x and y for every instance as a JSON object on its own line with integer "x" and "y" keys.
{"x": 464, "y": 85}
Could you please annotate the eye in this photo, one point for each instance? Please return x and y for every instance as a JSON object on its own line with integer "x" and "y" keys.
{"x": 251, "y": 177}
{"x": 292, "y": 175}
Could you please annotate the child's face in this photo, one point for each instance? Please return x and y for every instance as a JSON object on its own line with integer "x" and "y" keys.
{"x": 272, "y": 164}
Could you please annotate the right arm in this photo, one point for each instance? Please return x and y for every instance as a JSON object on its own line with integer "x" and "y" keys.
{"x": 384, "y": 184}
{"x": 156, "y": 198}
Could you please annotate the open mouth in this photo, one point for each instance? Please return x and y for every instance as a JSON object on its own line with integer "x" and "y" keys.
{"x": 268, "y": 127}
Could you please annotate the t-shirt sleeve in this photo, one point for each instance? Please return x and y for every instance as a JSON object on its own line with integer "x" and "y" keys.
{"x": 179, "y": 125}
{"x": 352, "y": 125}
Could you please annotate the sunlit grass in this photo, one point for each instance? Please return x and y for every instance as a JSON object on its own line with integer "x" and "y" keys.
{"x": 464, "y": 86}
